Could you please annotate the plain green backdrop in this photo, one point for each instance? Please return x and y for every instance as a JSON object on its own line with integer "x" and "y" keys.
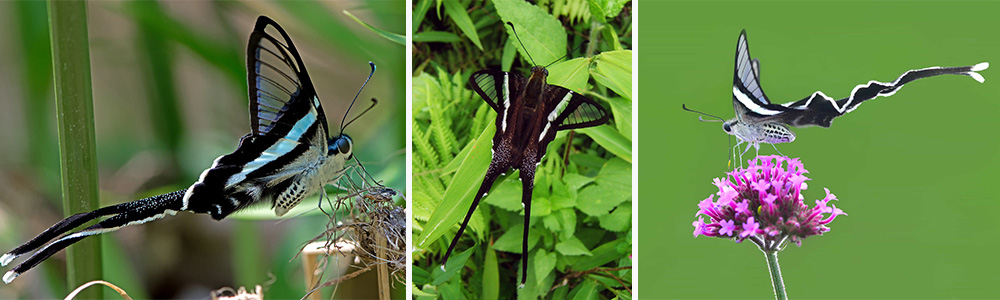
{"x": 916, "y": 172}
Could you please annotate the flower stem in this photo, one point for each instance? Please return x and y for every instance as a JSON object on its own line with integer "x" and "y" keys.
{"x": 775, "y": 270}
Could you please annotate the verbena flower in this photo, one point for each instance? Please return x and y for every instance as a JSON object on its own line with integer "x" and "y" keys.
{"x": 763, "y": 203}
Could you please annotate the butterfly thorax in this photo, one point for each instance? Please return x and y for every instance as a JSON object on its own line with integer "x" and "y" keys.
{"x": 768, "y": 132}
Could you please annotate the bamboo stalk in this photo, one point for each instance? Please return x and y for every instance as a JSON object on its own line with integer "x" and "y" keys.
{"x": 75, "y": 121}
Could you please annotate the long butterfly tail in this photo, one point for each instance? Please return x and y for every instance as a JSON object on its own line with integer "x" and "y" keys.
{"x": 875, "y": 89}
{"x": 491, "y": 175}
{"x": 527, "y": 185}
{"x": 135, "y": 212}
{"x": 827, "y": 108}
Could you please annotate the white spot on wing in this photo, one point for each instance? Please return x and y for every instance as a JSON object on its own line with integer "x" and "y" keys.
{"x": 506, "y": 101}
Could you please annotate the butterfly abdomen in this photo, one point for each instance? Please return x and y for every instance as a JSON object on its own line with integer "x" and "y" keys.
{"x": 777, "y": 133}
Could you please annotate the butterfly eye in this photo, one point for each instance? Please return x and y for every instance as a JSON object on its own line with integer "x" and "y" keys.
{"x": 344, "y": 145}
{"x": 726, "y": 127}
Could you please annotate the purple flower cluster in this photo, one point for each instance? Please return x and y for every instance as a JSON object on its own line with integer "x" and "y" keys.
{"x": 764, "y": 203}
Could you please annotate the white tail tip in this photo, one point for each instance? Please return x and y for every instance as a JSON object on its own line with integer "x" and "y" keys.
{"x": 977, "y": 77}
{"x": 7, "y": 278}
{"x": 981, "y": 66}
{"x": 6, "y": 259}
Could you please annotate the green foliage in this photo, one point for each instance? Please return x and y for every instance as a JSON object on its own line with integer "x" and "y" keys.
{"x": 581, "y": 203}
{"x": 170, "y": 95}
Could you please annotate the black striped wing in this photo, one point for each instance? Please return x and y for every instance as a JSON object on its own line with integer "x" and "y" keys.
{"x": 288, "y": 131}
{"x": 499, "y": 89}
{"x": 752, "y": 105}
{"x": 572, "y": 110}
{"x": 278, "y": 82}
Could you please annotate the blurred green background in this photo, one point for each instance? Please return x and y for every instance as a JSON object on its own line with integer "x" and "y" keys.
{"x": 169, "y": 89}
{"x": 915, "y": 171}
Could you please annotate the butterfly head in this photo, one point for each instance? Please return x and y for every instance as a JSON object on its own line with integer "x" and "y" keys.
{"x": 341, "y": 145}
{"x": 728, "y": 126}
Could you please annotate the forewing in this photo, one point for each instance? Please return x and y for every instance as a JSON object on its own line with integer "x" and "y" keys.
{"x": 749, "y": 101}
{"x": 281, "y": 92}
{"x": 497, "y": 88}
{"x": 572, "y": 110}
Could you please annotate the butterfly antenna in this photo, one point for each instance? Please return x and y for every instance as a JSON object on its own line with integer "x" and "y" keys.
{"x": 342, "y": 125}
{"x": 519, "y": 42}
{"x": 374, "y": 101}
{"x": 564, "y": 55}
{"x": 699, "y": 117}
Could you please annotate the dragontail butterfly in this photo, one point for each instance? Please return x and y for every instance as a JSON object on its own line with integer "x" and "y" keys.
{"x": 760, "y": 121}
{"x": 529, "y": 113}
{"x": 286, "y": 157}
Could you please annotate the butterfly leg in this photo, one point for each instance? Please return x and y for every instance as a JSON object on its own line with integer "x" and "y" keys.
{"x": 491, "y": 175}
{"x": 736, "y": 150}
{"x": 135, "y": 212}
{"x": 776, "y": 149}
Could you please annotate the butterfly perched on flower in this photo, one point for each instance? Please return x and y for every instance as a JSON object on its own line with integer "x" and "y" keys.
{"x": 758, "y": 120}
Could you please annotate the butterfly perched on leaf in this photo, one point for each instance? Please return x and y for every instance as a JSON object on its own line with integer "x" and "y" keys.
{"x": 287, "y": 156}
{"x": 529, "y": 113}
{"x": 760, "y": 121}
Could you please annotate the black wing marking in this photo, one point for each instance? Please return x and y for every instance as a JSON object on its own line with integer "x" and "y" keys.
{"x": 572, "y": 110}
{"x": 820, "y": 110}
{"x": 489, "y": 84}
{"x": 278, "y": 83}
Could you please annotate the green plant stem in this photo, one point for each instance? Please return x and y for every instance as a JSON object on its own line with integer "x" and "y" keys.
{"x": 75, "y": 118}
{"x": 775, "y": 270}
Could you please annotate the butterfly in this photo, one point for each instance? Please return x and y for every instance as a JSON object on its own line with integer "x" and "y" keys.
{"x": 529, "y": 113}
{"x": 286, "y": 157}
{"x": 758, "y": 120}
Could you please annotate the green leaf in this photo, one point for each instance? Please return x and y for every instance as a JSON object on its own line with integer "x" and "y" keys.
{"x": 491, "y": 276}
{"x": 610, "y": 139}
{"x": 602, "y": 255}
{"x": 458, "y": 197}
{"x": 461, "y": 18}
{"x": 435, "y": 36}
{"x": 421, "y": 276}
{"x": 506, "y": 193}
{"x": 425, "y": 86}
{"x": 419, "y": 12}
{"x": 510, "y": 241}
{"x": 420, "y": 293}
{"x": 587, "y": 291}
{"x": 571, "y": 74}
{"x": 452, "y": 267}
{"x": 617, "y": 173}
{"x": 507, "y": 58}
{"x": 614, "y": 186}
{"x": 576, "y": 181}
{"x": 393, "y": 37}
{"x": 604, "y": 9}
{"x": 542, "y": 34}
{"x": 619, "y": 220}
{"x": 456, "y": 162}
{"x": 613, "y": 69}
{"x": 572, "y": 247}
{"x": 567, "y": 217}
{"x": 544, "y": 263}
{"x": 622, "y": 109}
